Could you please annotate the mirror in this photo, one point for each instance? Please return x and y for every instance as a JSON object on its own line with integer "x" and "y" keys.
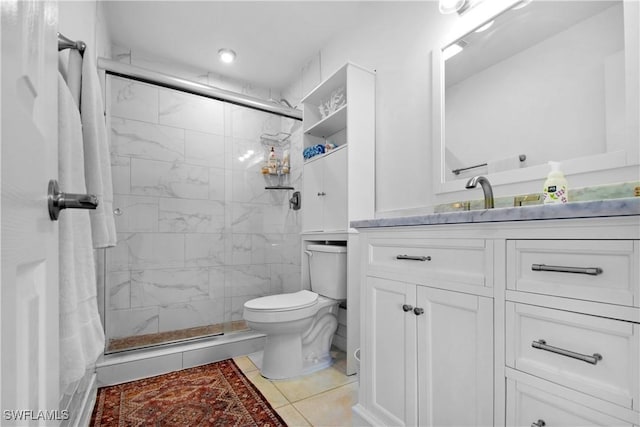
{"x": 538, "y": 81}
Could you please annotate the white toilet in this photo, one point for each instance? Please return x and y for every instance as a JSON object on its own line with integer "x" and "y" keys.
{"x": 299, "y": 326}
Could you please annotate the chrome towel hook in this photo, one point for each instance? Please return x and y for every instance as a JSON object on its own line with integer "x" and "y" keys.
{"x": 58, "y": 201}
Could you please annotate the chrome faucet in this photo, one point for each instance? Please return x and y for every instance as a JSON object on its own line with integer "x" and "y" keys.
{"x": 486, "y": 188}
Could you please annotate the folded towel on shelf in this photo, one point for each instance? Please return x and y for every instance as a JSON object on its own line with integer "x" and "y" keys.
{"x": 314, "y": 150}
{"x": 97, "y": 160}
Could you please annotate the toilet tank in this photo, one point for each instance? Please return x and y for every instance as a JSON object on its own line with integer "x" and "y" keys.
{"x": 328, "y": 270}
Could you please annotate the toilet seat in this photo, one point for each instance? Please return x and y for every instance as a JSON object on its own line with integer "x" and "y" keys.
{"x": 281, "y": 307}
{"x": 283, "y": 302}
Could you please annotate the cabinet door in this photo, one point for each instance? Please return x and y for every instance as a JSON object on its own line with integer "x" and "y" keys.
{"x": 312, "y": 200}
{"x": 388, "y": 378}
{"x": 455, "y": 354}
{"x": 335, "y": 189}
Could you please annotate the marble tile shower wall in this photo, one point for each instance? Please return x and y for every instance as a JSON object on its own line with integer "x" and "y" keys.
{"x": 198, "y": 234}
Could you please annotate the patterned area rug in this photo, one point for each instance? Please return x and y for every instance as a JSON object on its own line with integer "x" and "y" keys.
{"x": 217, "y": 394}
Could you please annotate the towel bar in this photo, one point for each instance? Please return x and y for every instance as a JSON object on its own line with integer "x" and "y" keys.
{"x": 66, "y": 43}
{"x": 521, "y": 157}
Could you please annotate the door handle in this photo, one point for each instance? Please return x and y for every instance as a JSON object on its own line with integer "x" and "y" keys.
{"x": 58, "y": 201}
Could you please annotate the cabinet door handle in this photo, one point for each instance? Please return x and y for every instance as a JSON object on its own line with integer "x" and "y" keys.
{"x": 418, "y": 311}
{"x": 322, "y": 193}
{"x": 407, "y": 307}
{"x": 542, "y": 345}
{"x": 539, "y": 423}
{"x": 414, "y": 257}
{"x": 592, "y": 271}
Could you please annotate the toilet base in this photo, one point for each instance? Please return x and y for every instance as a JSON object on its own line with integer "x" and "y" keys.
{"x": 308, "y": 367}
{"x": 295, "y": 348}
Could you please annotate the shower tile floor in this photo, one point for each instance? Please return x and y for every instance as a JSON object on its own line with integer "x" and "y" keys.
{"x": 141, "y": 341}
{"x": 323, "y": 398}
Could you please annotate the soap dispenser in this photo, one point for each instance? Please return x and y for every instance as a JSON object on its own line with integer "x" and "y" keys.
{"x": 555, "y": 189}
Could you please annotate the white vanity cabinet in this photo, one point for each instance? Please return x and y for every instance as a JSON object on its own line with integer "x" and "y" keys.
{"x": 533, "y": 323}
{"x": 429, "y": 349}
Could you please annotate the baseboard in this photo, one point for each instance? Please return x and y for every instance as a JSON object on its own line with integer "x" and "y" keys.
{"x": 361, "y": 417}
{"x": 79, "y": 401}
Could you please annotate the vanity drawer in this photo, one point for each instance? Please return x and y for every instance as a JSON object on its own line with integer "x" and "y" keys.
{"x": 465, "y": 261}
{"x": 594, "y": 270}
{"x": 530, "y": 402}
{"x": 541, "y": 341}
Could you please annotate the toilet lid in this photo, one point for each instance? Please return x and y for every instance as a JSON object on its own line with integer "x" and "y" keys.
{"x": 283, "y": 302}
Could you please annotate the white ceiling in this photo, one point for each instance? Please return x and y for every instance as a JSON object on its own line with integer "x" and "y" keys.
{"x": 272, "y": 39}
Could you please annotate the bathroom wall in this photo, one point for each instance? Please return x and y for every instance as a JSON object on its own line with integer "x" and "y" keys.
{"x": 198, "y": 234}
{"x": 396, "y": 40}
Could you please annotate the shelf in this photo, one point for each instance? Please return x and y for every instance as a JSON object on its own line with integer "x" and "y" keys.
{"x": 330, "y": 124}
{"x": 275, "y": 140}
{"x": 328, "y": 153}
{"x": 324, "y": 89}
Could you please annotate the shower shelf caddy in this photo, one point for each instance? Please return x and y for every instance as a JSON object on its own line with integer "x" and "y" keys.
{"x": 279, "y": 141}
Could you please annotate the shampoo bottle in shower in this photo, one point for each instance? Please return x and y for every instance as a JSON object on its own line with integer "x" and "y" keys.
{"x": 556, "y": 188}
{"x": 273, "y": 162}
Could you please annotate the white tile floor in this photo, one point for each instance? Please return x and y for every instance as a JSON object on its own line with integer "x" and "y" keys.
{"x": 323, "y": 398}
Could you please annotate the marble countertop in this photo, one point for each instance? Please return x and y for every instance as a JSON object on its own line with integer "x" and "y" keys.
{"x": 592, "y": 209}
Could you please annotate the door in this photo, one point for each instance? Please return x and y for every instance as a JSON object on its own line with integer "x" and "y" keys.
{"x": 389, "y": 371}
{"x": 29, "y": 286}
{"x": 455, "y": 353}
{"x": 312, "y": 198}
{"x": 335, "y": 190}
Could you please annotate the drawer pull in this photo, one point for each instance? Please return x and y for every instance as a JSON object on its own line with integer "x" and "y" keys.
{"x": 414, "y": 257}
{"x": 542, "y": 345}
{"x": 592, "y": 271}
{"x": 407, "y": 307}
{"x": 539, "y": 423}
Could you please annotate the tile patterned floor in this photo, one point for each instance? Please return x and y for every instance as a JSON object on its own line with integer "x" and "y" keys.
{"x": 323, "y": 398}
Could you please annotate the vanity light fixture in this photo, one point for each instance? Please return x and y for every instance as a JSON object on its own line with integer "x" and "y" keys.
{"x": 521, "y": 4}
{"x": 227, "y": 55}
{"x": 459, "y": 6}
{"x": 451, "y": 6}
{"x": 454, "y": 49}
{"x": 484, "y": 27}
